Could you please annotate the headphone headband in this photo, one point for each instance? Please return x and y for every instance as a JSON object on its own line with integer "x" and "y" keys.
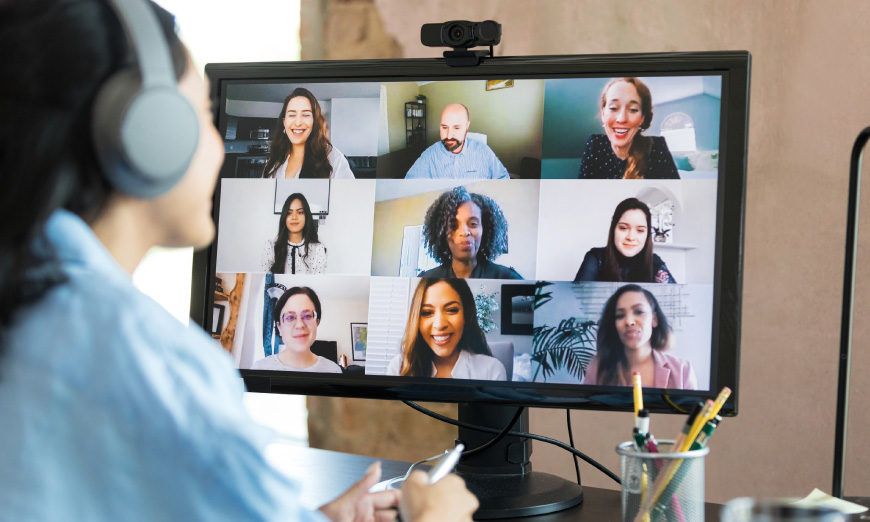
{"x": 146, "y": 38}
{"x": 145, "y": 130}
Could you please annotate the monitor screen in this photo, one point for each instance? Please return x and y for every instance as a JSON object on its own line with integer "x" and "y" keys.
{"x": 530, "y": 231}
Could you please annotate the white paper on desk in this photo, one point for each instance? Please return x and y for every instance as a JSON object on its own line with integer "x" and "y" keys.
{"x": 820, "y": 498}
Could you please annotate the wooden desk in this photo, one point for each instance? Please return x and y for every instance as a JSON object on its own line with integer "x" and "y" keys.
{"x": 325, "y": 474}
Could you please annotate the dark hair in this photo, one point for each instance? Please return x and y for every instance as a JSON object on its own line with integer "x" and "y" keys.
{"x": 440, "y": 221}
{"x": 417, "y": 356}
{"x": 640, "y": 267}
{"x": 640, "y": 145}
{"x": 309, "y": 233}
{"x": 279, "y": 305}
{"x": 611, "y": 352}
{"x": 317, "y": 146}
{"x": 48, "y": 160}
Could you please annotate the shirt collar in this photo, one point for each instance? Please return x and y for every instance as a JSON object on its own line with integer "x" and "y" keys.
{"x": 463, "y": 362}
{"x": 75, "y": 243}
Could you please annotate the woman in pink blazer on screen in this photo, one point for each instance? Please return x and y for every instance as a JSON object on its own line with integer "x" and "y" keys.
{"x": 633, "y": 336}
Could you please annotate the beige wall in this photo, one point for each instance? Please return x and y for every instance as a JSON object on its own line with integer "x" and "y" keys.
{"x": 397, "y": 94}
{"x": 809, "y": 99}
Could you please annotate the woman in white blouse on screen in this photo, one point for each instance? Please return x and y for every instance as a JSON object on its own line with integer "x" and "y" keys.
{"x": 296, "y": 249}
{"x": 443, "y": 337}
{"x": 300, "y": 147}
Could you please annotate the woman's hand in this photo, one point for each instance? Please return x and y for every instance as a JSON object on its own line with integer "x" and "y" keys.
{"x": 358, "y": 505}
{"x": 447, "y": 500}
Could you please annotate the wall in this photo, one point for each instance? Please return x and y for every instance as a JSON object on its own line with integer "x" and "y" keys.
{"x": 397, "y": 94}
{"x": 808, "y": 102}
{"x": 354, "y": 125}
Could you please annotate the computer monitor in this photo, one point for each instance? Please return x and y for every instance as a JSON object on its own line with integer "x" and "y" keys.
{"x": 526, "y": 228}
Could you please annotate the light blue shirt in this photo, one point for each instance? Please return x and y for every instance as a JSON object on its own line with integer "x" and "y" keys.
{"x": 475, "y": 161}
{"x": 110, "y": 409}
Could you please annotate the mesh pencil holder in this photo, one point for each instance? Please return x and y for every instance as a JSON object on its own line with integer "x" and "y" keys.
{"x": 662, "y": 487}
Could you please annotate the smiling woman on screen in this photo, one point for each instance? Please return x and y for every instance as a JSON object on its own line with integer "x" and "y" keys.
{"x": 300, "y": 147}
{"x": 296, "y": 249}
{"x": 623, "y": 152}
{"x": 442, "y": 337}
{"x": 628, "y": 255}
{"x": 464, "y": 231}
{"x": 297, "y": 315}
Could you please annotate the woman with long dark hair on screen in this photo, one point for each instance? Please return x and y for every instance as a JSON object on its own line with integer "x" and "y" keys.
{"x": 464, "y": 231}
{"x": 112, "y": 409}
{"x": 296, "y": 249}
{"x": 629, "y": 254}
{"x": 633, "y": 336}
{"x": 623, "y": 152}
{"x": 442, "y": 337}
{"x": 297, "y": 315}
{"x": 300, "y": 146}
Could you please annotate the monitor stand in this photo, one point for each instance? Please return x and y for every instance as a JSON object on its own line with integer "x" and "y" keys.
{"x": 501, "y": 476}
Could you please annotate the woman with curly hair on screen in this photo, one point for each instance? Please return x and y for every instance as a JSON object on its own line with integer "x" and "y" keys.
{"x": 300, "y": 147}
{"x": 634, "y": 336}
{"x": 464, "y": 231}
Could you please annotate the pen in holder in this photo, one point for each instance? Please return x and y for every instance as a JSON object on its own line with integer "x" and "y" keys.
{"x": 668, "y": 487}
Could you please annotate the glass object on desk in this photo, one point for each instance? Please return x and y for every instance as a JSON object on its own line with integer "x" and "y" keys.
{"x": 747, "y": 509}
{"x": 666, "y": 486}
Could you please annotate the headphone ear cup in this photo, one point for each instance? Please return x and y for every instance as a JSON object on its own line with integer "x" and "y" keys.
{"x": 144, "y": 138}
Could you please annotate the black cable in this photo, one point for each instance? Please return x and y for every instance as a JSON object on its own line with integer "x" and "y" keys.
{"x": 492, "y": 442}
{"x": 571, "y": 440}
{"x": 520, "y": 434}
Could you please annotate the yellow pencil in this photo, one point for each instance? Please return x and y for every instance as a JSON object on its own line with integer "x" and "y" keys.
{"x": 638, "y": 393}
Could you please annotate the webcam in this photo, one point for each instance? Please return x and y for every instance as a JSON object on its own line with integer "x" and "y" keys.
{"x": 461, "y": 34}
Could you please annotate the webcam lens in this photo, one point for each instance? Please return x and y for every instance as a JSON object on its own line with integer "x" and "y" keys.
{"x": 456, "y": 35}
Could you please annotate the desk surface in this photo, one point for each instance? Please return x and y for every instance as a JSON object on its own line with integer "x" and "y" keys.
{"x": 325, "y": 474}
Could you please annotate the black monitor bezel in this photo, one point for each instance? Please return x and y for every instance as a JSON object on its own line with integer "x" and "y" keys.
{"x": 734, "y": 66}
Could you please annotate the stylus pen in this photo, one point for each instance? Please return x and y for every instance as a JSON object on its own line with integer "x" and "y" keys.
{"x": 638, "y": 393}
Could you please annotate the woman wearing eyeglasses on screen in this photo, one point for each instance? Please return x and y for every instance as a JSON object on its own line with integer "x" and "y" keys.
{"x": 629, "y": 255}
{"x": 442, "y": 337}
{"x": 623, "y": 152}
{"x": 300, "y": 147}
{"x": 296, "y": 249}
{"x": 633, "y": 336}
{"x": 297, "y": 315}
{"x": 136, "y": 416}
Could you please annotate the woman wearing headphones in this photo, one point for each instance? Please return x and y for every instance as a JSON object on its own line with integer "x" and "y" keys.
{"x": 121, "y": 412}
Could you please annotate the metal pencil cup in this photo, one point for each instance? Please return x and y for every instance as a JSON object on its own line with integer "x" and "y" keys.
{"x": 664, "y": 487}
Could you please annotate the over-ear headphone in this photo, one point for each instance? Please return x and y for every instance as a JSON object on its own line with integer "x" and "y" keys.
{"x": 145, "y": 131}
